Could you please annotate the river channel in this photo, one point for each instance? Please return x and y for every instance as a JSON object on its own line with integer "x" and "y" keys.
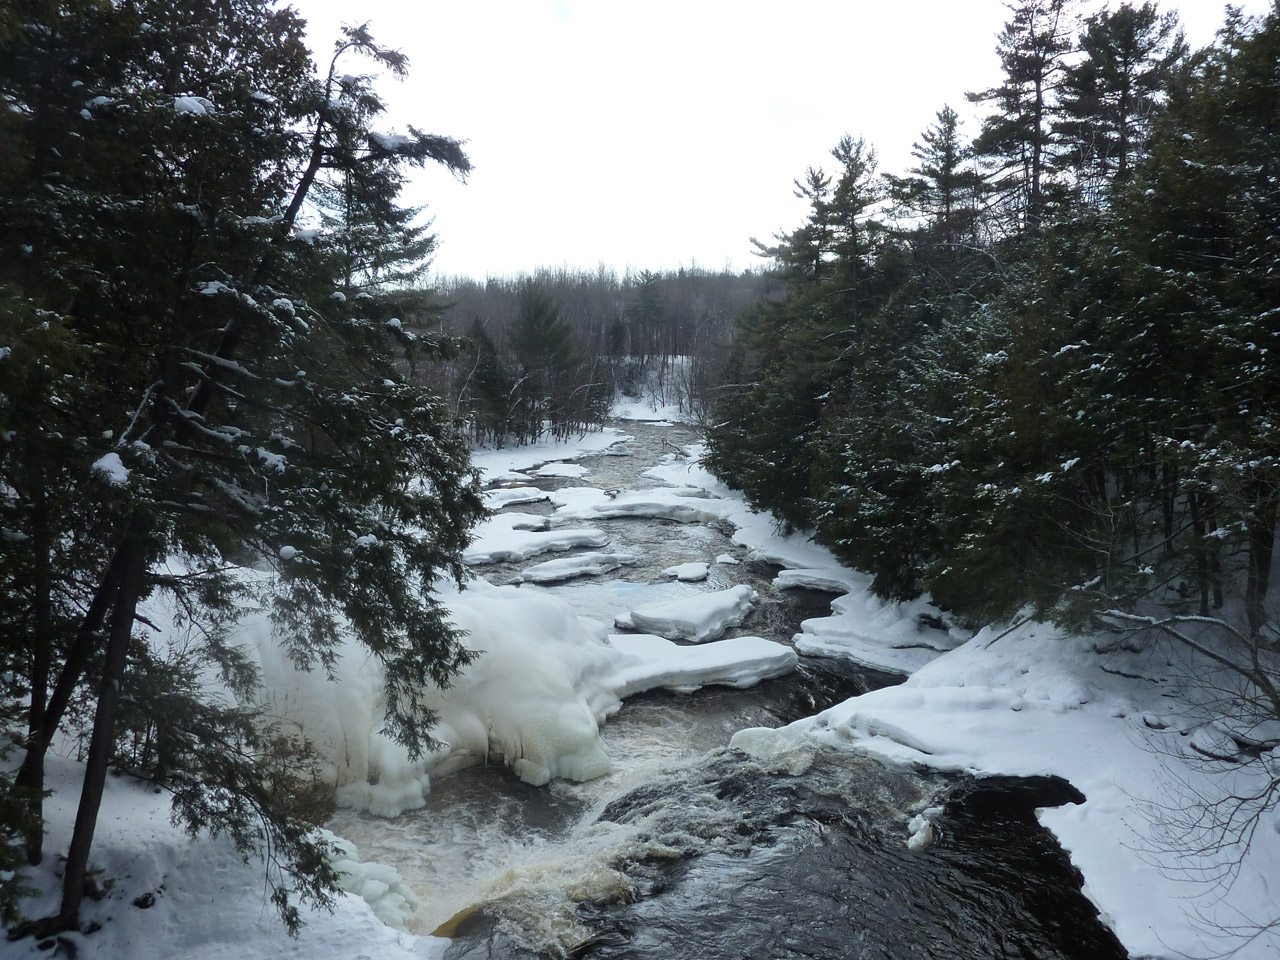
{"x": 691, "y": 850}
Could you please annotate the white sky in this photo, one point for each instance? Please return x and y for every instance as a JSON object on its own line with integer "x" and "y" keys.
{"x": 657, "y": 133}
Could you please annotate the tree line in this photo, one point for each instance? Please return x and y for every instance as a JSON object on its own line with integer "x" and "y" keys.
{"x": 546, "y": 353}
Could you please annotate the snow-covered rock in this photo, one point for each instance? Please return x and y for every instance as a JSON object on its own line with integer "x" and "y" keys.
{"x": 690, "y": 572}
{"x": 582, "y": 565}
{"x": 651, "y": 662}
{"x": 509, "y": 537}
{"x": 825, "y": 580}
{"x": 704, "y": 616}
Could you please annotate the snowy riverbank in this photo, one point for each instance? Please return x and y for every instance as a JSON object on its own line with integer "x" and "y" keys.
{"x": 1027, "y": 700}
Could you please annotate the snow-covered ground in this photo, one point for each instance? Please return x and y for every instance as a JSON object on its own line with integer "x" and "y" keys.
{"x": 1021, "y": 700}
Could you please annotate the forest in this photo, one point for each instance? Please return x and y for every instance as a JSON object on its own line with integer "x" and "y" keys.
{"x": 1034, "y": 376}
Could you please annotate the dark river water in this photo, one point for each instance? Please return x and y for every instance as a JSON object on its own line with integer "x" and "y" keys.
{"x": 692, "y": 850}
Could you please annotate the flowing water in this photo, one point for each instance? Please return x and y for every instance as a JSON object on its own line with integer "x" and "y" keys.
{"x": 690, "y": 850}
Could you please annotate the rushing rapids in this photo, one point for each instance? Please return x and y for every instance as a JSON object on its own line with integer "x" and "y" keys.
{"x": 688, "y": 848}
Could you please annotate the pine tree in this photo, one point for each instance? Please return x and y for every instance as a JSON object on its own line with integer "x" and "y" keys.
{"x": 192, "y": 395}
{"x": 1017, "y": 139}
{"x": 1111, "y": 97}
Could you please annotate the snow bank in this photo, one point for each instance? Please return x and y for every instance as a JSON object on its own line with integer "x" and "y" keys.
{"x": 171, "y": 896}
{"x": 704, "y": 616}
{"x": 874, "y": 632}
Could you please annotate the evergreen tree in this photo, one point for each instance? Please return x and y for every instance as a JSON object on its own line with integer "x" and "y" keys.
{"x": 944, "y": 189}
{"x": 1110, "y": 98}
{"x": 189, "y": 395}
{"x": 1016, "y": 140}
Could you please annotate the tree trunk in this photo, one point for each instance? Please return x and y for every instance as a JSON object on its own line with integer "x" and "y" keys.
{"x": 123, "y": 612}
{"x": 41, "y": 660}
{"x": 1261, "y": 526}
{"x": 30, "y": 776}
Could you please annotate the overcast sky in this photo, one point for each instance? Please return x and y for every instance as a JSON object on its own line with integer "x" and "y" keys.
{"x": 654, "y": 134}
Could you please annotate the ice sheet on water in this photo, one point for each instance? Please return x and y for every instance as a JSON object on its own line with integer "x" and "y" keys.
{"x": 690, "y": 572}
{"x": 573, "y": 471}
{"x": 662, "y": 503}
{"x": 701, "y": 617}
{"x": 591, "y": 564}
{"x": 652, "y": 662}
{"x": 825, "y": 580}
{"x": 517, "y": 536}
{"x": 500, "y": 497}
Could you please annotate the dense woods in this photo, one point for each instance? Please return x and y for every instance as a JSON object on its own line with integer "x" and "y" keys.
{"x": 1036, "y": 371}
{"x": 548, "y": 352}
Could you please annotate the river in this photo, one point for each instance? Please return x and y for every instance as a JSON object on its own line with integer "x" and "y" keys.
{"x": 691, "y": 850}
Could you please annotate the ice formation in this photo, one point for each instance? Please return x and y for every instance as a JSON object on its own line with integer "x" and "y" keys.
{"x": 704, "y": 616}
{"x": 591, "y": 564}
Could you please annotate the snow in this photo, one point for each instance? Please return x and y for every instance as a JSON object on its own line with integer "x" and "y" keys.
{"x": 591, "y": 564}
{"x": 196, "y": 106}
{"x": 662, "y": 503}
{"x": 205, "y": 903}
{"x": 1019, "y": 700}
{"x": 508, "y": 537}
{"x": 646, "y": 409}
{"x": 700, "y": 617}
{"x": 533, "y": 699}
{"x": 658, "y": 662}
{"x": 501, "y": 497}
{"x": 112, "y": 467}
{"x": 571, "y": 470}
{"x": 825, "y": 580}
{"x": 389, "y": 141}
{"x": 1034, "y": 701}
{"x": 690, "y": 572}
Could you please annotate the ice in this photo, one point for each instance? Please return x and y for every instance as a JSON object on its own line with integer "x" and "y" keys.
{"x": 690, "y": 572}
{"x": 533, "y": 699}
{"x": 573, "y": 471}
{"x": 663, "y": 503}
{"x": 652, "y": 662}
{"x": 379, "y": 885}
{"x": 501, "y": 497}
{"x": 494, "y": 464}
{"x": 704, "y": 616}
{"x": 825, "y": 580}
{"x": 583, "y": 565}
